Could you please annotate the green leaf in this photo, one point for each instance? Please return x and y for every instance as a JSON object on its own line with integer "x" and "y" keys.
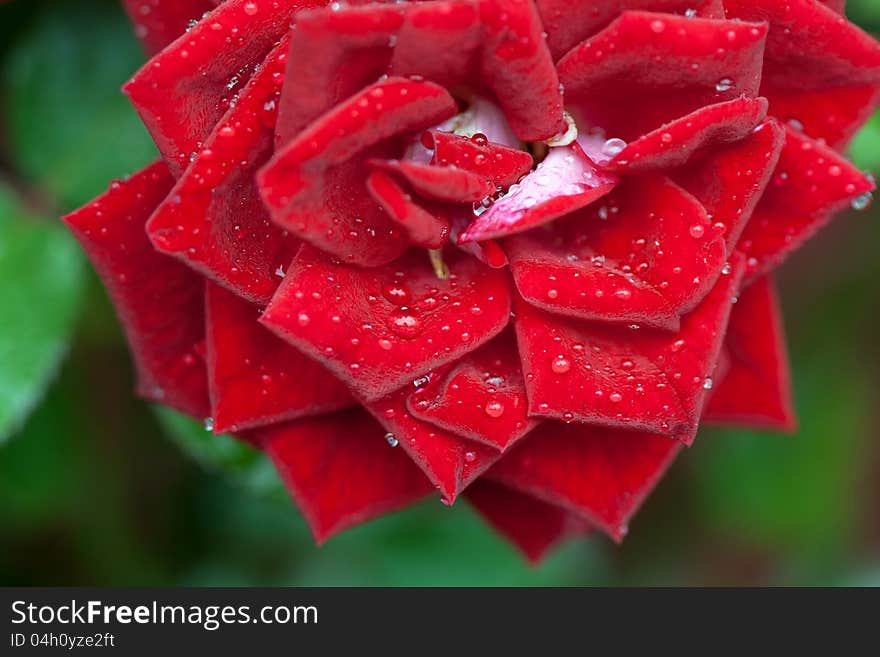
{"x": 41, "y": 281}
{"x": 220, "y": 453}
{"x": 70, "y": 128}
{"x": 865, "y": 148}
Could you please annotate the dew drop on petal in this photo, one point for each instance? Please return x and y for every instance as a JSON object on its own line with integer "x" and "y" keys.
{"x": 404, "y": 323}
{"x": 560, "y": 365}
{"x": 494, "y": 408}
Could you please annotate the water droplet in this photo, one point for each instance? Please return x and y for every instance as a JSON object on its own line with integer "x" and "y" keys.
{"x": 708, "y": 383}
{"x": 494, "y": 408}
{"x": 391, "y": 440}
{"x": 862, "y": 202}
{"x": 724, "y": 84}
{"x": 303, "y": 319}
{"x": 560, "y": 365}
{"x": 613, "y": 147}
{"x": 405, "y": 323}
{"x": 697, "y": 231}
{"x": 397, "y": 293}
{"x": 209, "y": 424}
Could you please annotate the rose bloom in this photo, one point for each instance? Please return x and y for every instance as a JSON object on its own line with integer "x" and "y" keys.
{"x": 514, "y": 251}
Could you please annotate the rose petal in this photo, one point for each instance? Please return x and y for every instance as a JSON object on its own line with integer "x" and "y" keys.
{"x": 646, "y": 255}
{"x": 440, "y": 183}
{"x": 449, "y": 461}
{"x": 183, "y": 91}
{"x": 421, "y": 226}
{"x": 340, "y": 471}
{"x": 256, "y": 378}
{"x": 694, "y": 62}
{"x": 756, "y": 390}
{"x": 819, "y": 69}
{"x": 811, "y": 184}
{"x": 379, "y": 329}
{"x": 342, "y": 49}
{"x": 482, "y": 397}
{"x": 315, "y": 188}
{"x": 729, "y": 182}
{"x": 534, "y": 527}
{"x": 836, "y": 5}
{"x": 159, "y": 22}
{"x": 516, "y": 65}
{"x": 214, "y": 219}
{"x": 566, "y": 181}
{"x": 568, "y": 22}
{"x": 603, "y": 475}
{"x": 158, "y": 300}
{"x": 676, "y": 143}
{"x": 500, "y": 164}
{"x": 624, "y": 377}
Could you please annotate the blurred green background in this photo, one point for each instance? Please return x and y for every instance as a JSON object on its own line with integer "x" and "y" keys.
{"x": 98, "y": 488}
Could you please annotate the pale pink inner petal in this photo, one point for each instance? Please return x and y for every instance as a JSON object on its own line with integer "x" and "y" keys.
{"x": 598, "y": 148}
{"x": 565, "y": 172}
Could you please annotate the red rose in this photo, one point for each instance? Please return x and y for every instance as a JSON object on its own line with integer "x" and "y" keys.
{"x": 488, "y": 247}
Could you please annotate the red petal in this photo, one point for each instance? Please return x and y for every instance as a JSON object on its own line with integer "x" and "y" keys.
{"x": 623, "y": 377}
{"x": 836, "y": 5}
{"x": 421, "y": 226}
{"x": 158, "y": 300}
{"x": 378, "y": 329}
{"x": 516, "y": 65}
{"x": 811, "y": 184}
{"x": 675, "y": 143}
{"x": 340, "y": 470}
{"x": 214, "y": 219}
{"x": 438, "y": 41}
{"x": 182, "y": 92}
{"x": 339, "y": 51}
{"x": 757, "y": 388}
{"x": 646, "y": 69}
{"x": 819, "y": 69}
{"x": 647, "y": 255}
{"x": 482, "y": 397}
{"x": 315, "y": 186}
{"x": 502, "y": 165}
{"x": 568, "y": 22}
{"x": 440, "y": 183}
{"x": 449, "y": 461}
{"x": 600, "y": 474}
{"x": 256, "y": 378}
{"x": 159, "y": 22}
{"x": 566, "y": 181}
{"x": 533, "y": 526}
{"x": 729, "y": 182}
{"x": 489, "y": 252}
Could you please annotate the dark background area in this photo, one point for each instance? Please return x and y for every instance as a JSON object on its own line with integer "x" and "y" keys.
{"x": 98, "y": 488}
